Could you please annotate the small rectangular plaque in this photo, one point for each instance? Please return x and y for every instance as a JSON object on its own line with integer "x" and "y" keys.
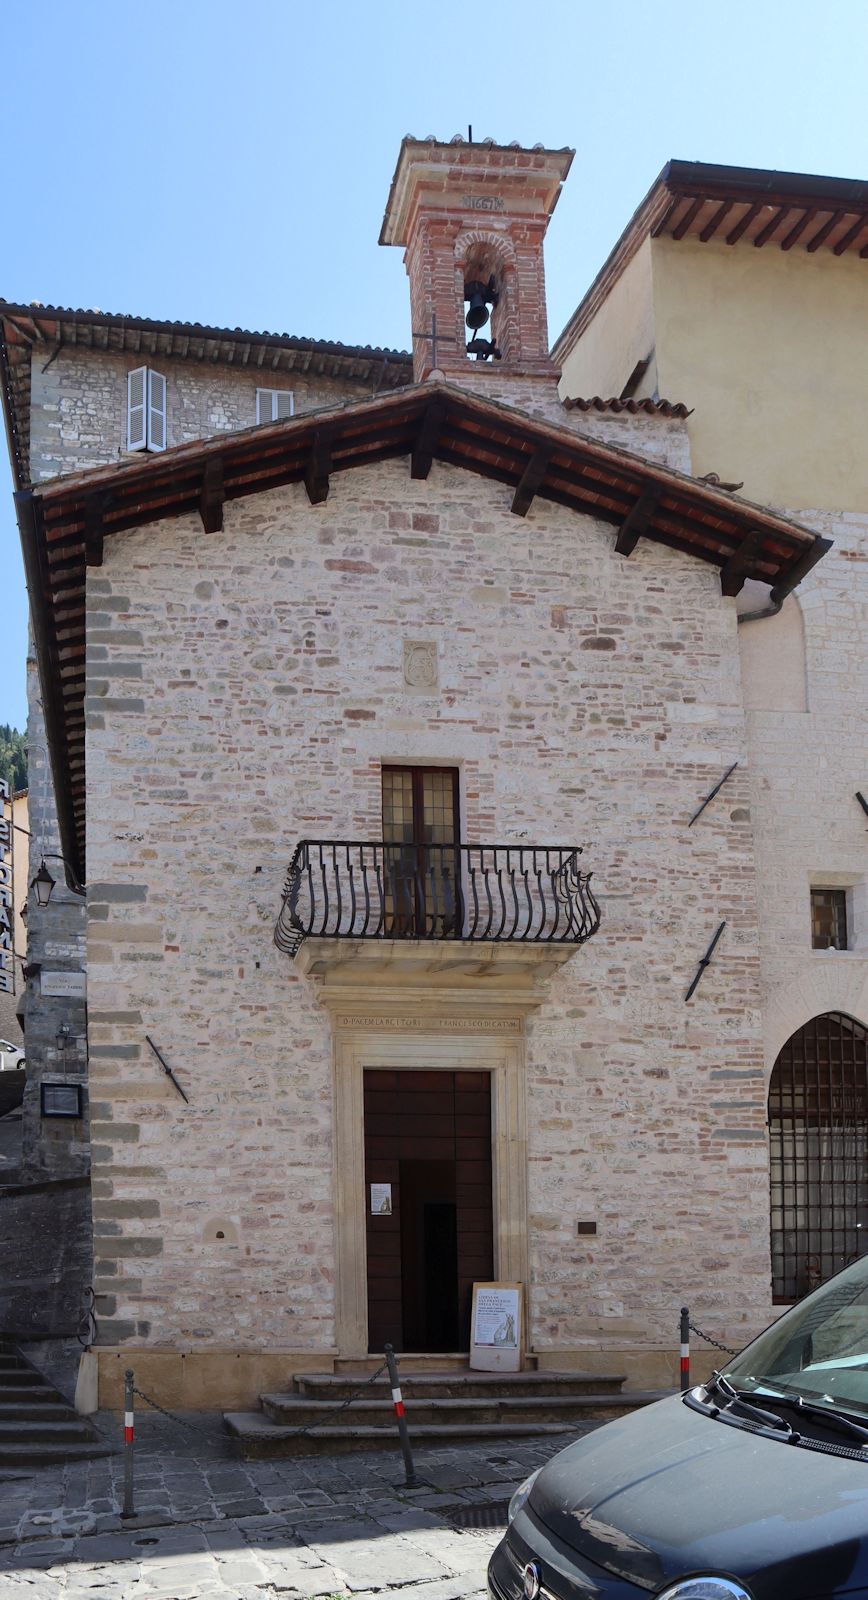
{"x": 71, "y": 985}
{"x": 381, "y": 1199}
{"x": 60, "y": 1099}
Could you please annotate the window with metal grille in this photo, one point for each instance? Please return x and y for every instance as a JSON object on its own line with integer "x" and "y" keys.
{"x": 818, "y": 1148}
{"x": 420, "y": 818}
{"x": 829, "y": 919}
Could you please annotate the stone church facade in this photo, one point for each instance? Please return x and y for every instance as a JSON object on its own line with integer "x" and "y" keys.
{"x": 445, "y": 639}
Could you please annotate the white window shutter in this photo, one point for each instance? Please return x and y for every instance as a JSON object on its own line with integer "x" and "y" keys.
{"x": 273, "y": 404}
{"x": 137, "y": 389}
{"x": 156, "y": 411}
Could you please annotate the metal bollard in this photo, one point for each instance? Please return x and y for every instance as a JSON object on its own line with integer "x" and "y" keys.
{"x": 685, "y": 1349}
{"x": 129, "y": 1430}
{"x": 409, "y": 1469}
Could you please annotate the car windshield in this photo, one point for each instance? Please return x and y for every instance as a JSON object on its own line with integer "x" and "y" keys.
{"x": 817, "y": 1351}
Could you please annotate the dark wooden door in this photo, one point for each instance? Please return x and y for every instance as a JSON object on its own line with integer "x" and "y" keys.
{"x": 428, "y": 1136}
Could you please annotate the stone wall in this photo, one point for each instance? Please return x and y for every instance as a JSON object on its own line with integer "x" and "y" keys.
{"x": 56, "y": 942}
{"x": 585, "y": 699}
{"x": 806, "y": 767}
{"x": 79, "y": 405}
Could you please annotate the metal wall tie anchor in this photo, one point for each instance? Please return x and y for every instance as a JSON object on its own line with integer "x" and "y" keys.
{"x": 166, "y": 1068}
{"x": 704, "y": 962}
{"x": 709, "y": 797}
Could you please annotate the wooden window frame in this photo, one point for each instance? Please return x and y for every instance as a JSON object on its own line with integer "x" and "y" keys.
{"x": 418, "y": 775}
{"x": 845, "y": 914}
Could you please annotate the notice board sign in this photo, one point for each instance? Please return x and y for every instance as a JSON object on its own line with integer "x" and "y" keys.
{"x": 496, "y": 1324}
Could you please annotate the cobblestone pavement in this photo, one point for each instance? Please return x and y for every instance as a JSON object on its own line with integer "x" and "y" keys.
{"x": 210, "y": 1525}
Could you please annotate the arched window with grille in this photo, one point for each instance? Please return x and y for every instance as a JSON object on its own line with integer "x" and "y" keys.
{"x": 818, "y": 1133}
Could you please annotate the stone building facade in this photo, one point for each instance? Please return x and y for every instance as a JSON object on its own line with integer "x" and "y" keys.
{"x": 254, "y": 603}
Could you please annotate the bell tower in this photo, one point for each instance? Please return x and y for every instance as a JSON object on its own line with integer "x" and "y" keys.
{"x": 472, "y": 219}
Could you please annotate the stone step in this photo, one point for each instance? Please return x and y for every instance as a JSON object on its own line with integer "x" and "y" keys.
{"x": 22, "y": 1376}
{"x": 298, "y": 1410}
{"x": 256, "y": 1436}
{"x": 360, "y": 1366}
{"x": 47, "y": 1410}
{"x": 335, "y": 1387}
{"x": 34, "y": 1392}
{"x": 38, "y": 1426}
{"x": 67, "y": 1430}
{"x": 45, "y": 1455}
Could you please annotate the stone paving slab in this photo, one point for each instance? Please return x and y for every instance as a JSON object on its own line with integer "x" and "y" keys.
{"x": 208, "y": 1525}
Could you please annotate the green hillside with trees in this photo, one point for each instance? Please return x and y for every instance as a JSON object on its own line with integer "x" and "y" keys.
{"x": 13, "y": 756}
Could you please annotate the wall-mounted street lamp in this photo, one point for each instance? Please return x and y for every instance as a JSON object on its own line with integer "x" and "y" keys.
{"x": 43, "y": 882}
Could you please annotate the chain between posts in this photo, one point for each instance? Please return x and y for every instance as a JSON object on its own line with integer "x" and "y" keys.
{"x": 686, "y": 1328}
{"x": 308, "y": 1427}
{"x": 708, "y": 1340}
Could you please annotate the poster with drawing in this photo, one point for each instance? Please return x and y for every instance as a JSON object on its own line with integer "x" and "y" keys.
{"x": 381, "y": 1199}
{"x": 496, "y": 1327}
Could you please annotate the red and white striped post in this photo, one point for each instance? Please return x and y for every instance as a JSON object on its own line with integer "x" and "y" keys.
{"x": 129, "y": 1432}
{"x": 398, "y": 1403}
{"x": 685, "y": 1349}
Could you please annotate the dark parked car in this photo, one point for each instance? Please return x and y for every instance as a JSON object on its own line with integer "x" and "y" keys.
{"x": 753, "y": 1486}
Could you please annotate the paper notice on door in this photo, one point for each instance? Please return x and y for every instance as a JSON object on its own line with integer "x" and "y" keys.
{"x": 381, "y": 1199}
{"x": 496, "y": 1327}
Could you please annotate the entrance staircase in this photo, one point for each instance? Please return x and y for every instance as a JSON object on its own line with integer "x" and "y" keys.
{"x": 442, "y": 1407}
{"x": 37, "y": 1426}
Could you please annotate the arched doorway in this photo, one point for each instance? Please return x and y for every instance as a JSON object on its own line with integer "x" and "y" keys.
{"x": 818, "y": 1138}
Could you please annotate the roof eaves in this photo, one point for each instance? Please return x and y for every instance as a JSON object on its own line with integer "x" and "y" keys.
{"x": 113, "y": 319}
{"x": 647, "y": 407}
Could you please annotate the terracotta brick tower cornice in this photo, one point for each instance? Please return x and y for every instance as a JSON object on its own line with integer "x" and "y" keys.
{"x": 474, "y": 213}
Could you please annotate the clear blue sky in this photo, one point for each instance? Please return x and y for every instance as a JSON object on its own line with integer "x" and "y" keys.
{"x": 229, "y": 163}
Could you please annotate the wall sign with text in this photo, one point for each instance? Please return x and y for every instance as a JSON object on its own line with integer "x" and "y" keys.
{"x": 7, "y": 893}
{"x": 496, "y": 1327}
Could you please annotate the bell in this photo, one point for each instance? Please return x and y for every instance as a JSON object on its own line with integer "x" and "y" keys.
{"x": 477, "y": 311}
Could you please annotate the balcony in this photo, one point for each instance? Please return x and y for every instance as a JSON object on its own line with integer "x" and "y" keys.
{"x": 472, "y": 893}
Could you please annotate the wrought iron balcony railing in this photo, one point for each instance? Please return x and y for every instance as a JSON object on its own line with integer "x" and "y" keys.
{"x": 349, "y": 890}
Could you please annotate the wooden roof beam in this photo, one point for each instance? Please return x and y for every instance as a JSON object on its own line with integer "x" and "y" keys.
{"x": 801, "y": 568}
{"x": 636, "y": 522}
{"x": 427, "y": 439}
{"x": 822, "y": 234}
{"x": 212, "y": 496}
{"x": 714, "y": 222}
{"x": 689, "y": 218}
{"x": 733, "y": 574}
{"x": 530, "y": 481}
{"x": 765, "y": 233}
{"x": 319, "y": 466}
{"x": 744, "y": 222}
{"x": 94, "y": 509}
{"x": 850, "y": 236}
{"x": 795, "y": 233}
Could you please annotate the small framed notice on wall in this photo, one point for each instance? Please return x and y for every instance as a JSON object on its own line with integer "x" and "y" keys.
{"x": 496, "y": 1327}
{"x": 381, "y": 1199}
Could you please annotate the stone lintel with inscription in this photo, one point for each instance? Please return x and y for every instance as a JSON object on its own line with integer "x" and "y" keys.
{"x": 392, "y": 1023}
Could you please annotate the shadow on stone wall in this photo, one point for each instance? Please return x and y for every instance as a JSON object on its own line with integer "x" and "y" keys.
{"x": 47, "y": 1254}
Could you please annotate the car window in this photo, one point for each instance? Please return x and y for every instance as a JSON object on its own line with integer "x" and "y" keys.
{"x": 818, "y": 1350}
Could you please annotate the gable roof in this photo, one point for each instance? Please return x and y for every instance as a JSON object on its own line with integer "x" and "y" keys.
{"x": 64, "y": 523}
{"x": 39, "y": 332}
{"x": 752, "y": 205}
